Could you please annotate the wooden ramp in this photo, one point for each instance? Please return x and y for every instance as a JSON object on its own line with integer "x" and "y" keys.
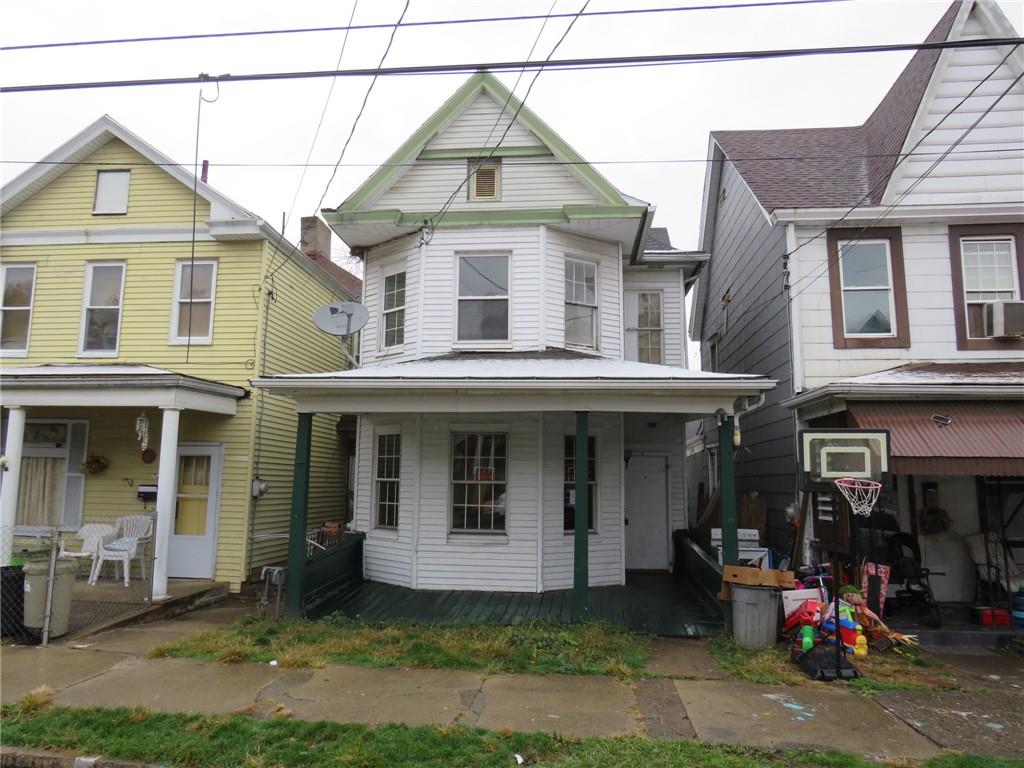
{"x": 657, "y": 603}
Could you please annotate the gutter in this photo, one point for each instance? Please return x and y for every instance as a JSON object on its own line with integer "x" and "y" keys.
{"x": 1011, "y": 391}
{"x": 109, "y": 382}
{"x": 645, "y": 227}
{"x": 752, "y": 387}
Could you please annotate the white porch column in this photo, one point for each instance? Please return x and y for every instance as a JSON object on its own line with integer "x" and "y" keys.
{"x": 12, "y": 479}
{"x": 166, "y": 493}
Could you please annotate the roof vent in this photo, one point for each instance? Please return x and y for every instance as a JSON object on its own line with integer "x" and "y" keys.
{"x": 485, "y": 182}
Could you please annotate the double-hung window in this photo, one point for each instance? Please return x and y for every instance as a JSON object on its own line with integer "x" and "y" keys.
{"x": 868, "y": 288}
{"x": 387, "y": 473}
{"x": 394, "y": 310}
{"x": 194, "y": 287}
{"x": 16, "y": 308}
{"x": 987, "y": 266}
{"x": 649, "y": 327}
{"x": 580, "y": 303}
{"x": 569, "y": 497}
{"x": 101, "y": 312}
{"x": 483, "y": 297}
{"x": 479, "y": 482}
{"x": 111, "y": 192}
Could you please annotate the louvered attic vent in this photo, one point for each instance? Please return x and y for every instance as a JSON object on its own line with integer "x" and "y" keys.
{"x": 485, "y": 182}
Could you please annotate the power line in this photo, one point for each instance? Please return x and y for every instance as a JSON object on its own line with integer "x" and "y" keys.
{"x": 461, "y": 163}
{"x": 413, "y": 24}
{"x": 503, "y": 66}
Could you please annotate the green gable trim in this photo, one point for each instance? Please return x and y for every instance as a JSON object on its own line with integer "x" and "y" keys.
{"x": 414, "y": 220}
{"x": 480, "y": 152}
{"x": 413, "y": 146}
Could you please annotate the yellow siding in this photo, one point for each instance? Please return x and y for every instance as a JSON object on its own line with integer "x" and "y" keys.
{"x": 154, "y": 196}
{"x": 293, "y": 344}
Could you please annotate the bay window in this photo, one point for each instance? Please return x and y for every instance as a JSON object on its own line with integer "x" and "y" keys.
{"x": 580, "y": 303}
{"x": 387, "y": 474}
{"x": 394, "y": 310}
{"x": 483, "y": 282}
{"x": 479, "y": 482}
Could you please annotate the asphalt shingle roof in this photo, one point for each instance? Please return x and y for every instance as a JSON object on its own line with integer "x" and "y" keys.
{"x": 658, "y": 240}
{"x": 826, "y": 167}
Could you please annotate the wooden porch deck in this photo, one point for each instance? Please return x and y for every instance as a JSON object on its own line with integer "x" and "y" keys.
{"x": 657, "y": 603}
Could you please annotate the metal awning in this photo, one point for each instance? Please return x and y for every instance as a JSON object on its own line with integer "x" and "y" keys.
{"x": 981, "y": 438}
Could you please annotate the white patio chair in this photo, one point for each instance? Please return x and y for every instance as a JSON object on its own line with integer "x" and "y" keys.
{"x": 140, "y": 528}
{"x": 90, "y": 535}
{"x": 123, "y": 546}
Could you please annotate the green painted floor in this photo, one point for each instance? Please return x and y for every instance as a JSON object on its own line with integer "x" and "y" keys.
{"x": 649, "y": 602}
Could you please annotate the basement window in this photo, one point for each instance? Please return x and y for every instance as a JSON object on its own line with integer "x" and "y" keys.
{"x": 485, "y": 181}
{"x": 111, "y": 192}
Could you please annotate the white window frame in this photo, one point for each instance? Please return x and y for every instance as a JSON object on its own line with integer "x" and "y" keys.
{"x": 96, "y": 192}
{"x": 176, "y": 337}
{"x": 595, "y": 496}
{"x": 384, "y": 312}
{"x": 474, "y": 166}
{"x": 596, "y": 306}
{"x": 1015, "y": 278}
{"x": 660, "y": 329}
{"x": 890, "y": 288}
{"x": 483, "y": 343}
{"x": 31, "y": 305}
{"x": 89, "y": 267}
{"x": 478, "y": 430}
{"x": 375, "y": 512}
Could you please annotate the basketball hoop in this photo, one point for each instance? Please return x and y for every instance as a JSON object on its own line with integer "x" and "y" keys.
{"x": 860, "y": 494}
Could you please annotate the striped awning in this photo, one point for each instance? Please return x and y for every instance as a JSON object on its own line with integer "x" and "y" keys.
{"x": 981, "y": 438}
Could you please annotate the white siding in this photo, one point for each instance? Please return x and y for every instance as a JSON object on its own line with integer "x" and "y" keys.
{"x": 606, "y": 255}
{"x": 968, "y": 178}
{"x": 525, "y": 183}
{"x": 929, "y": 302}
{"x": 478, "y": 125}
{"x": 673, "y": 319}
{"x": 606, "y": 544}
{"x": 659, "y": 433}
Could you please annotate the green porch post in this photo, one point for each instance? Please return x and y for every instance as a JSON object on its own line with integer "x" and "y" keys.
{"x": 297, "y": 526}
{"x": 727, "y": 492}
{"x": 581, "y": 531}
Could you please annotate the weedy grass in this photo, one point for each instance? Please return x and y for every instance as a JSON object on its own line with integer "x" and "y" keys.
{"x": 204, "y": 741}
{"x": 585, "y": 649}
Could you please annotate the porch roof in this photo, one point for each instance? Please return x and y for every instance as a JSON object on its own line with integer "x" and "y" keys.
{"x": 114, "y": 385}
{"x": 552, "y": 380}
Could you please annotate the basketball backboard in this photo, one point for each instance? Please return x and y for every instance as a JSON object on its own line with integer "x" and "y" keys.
{"x": 829, "y": 454}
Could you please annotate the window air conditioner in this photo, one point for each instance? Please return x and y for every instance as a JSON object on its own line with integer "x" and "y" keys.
{"x": 1004, "y": 319}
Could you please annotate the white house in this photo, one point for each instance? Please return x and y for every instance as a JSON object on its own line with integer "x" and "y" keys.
{"x": 520, "y": 305}
{"x": 876, "y": 271}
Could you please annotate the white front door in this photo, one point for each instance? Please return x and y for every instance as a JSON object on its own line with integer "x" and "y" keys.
{"x": 197, "y": 505}
{"x": 647, "y": 513}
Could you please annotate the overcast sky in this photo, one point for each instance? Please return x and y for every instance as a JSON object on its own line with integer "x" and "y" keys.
{"x": 650, "y": 114}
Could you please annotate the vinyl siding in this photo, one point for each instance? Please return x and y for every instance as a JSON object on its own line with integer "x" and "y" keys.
{"x": 154, "y": 196}
{"x": 967, "y": 178}
{"x": 753, "y": 329}
{"x": 673, "y": 318}
{"x": 403, "y": 254}
{"x": 928, "y": 269}
{"x": 481, "y": 124}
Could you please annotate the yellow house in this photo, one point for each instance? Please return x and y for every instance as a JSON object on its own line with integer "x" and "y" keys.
{"x": 137, "y": 304}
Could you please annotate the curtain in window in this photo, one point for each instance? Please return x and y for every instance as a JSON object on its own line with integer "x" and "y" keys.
{"x": 41, "y": 491}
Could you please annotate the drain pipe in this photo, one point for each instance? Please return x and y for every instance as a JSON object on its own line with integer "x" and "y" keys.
{"x": 743, "y": 411}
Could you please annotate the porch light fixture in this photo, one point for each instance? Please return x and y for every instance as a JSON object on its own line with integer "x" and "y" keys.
{"x": 142, "y": 431}
{"x": 942, "y": 420}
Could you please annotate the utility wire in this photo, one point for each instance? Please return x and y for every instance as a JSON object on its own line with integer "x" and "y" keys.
{"x": 461, "y": 163}
{"x": 503, "y": 66}
{"x": 413, "y": 24}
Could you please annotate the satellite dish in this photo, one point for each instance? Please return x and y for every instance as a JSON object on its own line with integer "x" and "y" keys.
{"x": 343, "y": 318}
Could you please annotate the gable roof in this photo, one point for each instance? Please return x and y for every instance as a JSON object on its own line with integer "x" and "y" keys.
{"x": 836, "y": 167}
{"x": 224, "y": 211}
{"x": 481, "y": 82}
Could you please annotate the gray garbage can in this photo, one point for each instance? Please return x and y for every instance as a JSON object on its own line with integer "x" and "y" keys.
{"x": 36, "y": 572}
{"x": 755, "y": 615}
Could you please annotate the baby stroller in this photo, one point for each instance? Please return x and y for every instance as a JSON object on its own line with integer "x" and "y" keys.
{"x": 911, "y": 579}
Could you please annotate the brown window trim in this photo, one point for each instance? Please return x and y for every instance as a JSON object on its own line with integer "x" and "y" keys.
{"x": 1015, "y": 230}
{"x": 899, "y": 288}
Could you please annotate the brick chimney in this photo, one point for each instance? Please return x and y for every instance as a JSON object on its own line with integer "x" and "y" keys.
{"x": 315, "y": 238}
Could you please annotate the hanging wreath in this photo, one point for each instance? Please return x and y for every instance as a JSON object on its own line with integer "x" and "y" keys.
{"x": 95, "y": 464}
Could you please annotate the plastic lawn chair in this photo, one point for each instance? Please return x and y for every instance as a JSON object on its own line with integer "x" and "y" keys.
{"x": 90, "y": 535}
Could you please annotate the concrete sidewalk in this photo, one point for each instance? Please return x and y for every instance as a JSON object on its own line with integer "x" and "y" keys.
{"x": 110, "y": 669}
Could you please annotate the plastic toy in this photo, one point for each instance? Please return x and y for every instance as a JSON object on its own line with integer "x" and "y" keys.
{"x": 807, "y": 639}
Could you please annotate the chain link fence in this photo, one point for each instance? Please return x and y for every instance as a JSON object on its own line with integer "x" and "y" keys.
{"x": 64, "y": 584}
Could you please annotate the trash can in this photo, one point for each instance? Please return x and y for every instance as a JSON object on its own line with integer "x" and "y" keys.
{"x": 12, "y": 601}
{"x": 755, "y": 615}
{"x": 36, "y": 572}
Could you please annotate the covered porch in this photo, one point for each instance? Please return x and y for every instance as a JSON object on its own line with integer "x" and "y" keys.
{"x": 483, "y": 497}
{"x": 74, "y": 456}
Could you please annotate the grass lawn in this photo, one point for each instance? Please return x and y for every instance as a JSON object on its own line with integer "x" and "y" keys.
{"x": 197, "y": 741}
{"x": 588, "y": 649}
{"x": 909, "y": 670}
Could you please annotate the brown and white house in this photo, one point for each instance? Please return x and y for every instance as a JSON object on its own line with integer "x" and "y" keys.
{"x": 879, "y": 279}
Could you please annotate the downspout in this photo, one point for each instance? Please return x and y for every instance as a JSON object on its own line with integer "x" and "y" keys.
{"x": 796, "y": 359}
{"x": 641, "y": 236}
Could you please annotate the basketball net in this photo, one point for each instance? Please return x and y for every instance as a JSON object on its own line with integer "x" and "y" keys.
{"x": 861, "y": 495}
